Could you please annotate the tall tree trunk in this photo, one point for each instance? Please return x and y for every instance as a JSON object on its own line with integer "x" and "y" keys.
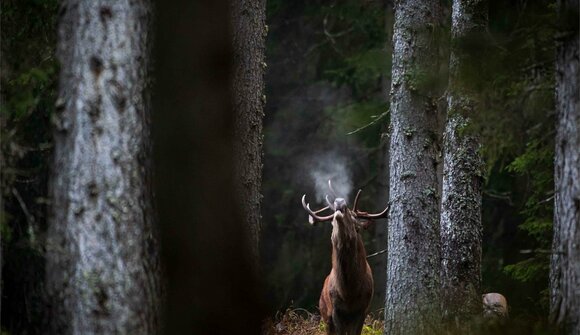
{"x": 565, "y": 263}
{"x": 249, "y": 33}
{"x": 102, "y": 267}
{"x": 461, "y": 228}
{"x": 211, "y": 288}
{"x": 412, "y": 304}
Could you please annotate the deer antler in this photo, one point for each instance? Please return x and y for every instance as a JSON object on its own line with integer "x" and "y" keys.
{"x": 332, "y": 189}
{"x": 330, "y": 205}
{"x": 356, "y": 201}
{"x": 365, "y": 215}
{"x": 313, "y": 217}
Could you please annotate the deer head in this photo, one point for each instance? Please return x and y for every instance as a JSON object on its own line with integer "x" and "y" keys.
{"x": 363, "y": 219}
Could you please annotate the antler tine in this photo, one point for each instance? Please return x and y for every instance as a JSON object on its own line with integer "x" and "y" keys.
{"x": 313, "y": 217}
{"x": 356, "y": 200}
{"x": 332, "y": 189}
{"x": 330, "y": 205}
{"x": 365, "y": 215}
{"x": 321, "y": 210}
{"x": 381, "y": 215}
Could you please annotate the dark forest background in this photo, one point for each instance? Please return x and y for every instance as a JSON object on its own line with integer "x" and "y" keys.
{"x": 327, "y": 82}
{"x": 328, "y": 69}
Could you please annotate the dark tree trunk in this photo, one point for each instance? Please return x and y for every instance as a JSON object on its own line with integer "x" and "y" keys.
{"x": 412, "y": 304}
{"x": 565, "y": 265}
{"x": 1, "y": 214}
{"x": 461, "y": 228}
{"x": 211, "y": 288}
{"x": 102, "y": 254}
{"x": 249, "y": 33}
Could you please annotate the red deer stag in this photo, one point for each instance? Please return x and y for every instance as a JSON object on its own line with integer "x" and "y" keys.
{"x": 347, "y": 291}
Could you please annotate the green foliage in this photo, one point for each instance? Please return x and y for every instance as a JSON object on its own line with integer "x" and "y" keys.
{"x": 536, "y": 165}
{"x": 370, "y": 330}
{"x": 362, "y": 71}
{"x": 526, "y": 270}
{"x": 5, "y": 229}
{"x": 538, "y": 229}
{"x": 28, "y": 87}
{"x": 513, "y": 74}
{"x": 28, "y": 78}
{"x": 29, "y": 74}
{"x": 352, "y": 45}
{"x": 358, "y": 115}
{"x": 27, "y": 90}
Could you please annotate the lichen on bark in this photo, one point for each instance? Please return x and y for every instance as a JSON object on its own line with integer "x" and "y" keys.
{"x": 461, "y": 227}
{"x": 412, "y": 303}
{"x": 565, "y": 259}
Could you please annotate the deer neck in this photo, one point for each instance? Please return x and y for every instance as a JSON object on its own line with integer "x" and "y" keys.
{"x": 348, "y": 255}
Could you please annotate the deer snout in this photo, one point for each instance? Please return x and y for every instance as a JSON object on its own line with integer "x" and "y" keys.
{"x": 340, "y": 204}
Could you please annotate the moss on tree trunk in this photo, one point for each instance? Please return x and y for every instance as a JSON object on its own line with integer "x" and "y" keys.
{"x": 461, "y": 227}
{"x": 412, "y": 303}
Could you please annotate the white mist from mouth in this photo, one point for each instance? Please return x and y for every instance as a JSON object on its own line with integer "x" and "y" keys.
{"x": 334, "y": 168}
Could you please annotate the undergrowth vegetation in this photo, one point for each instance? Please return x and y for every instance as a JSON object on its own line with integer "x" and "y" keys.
{"x": 298, "y": 321}
{"x": 302, "y": 322}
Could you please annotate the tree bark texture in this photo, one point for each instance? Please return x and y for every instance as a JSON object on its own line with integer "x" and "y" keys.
{"x": 211, "y": 288}
{"x": 249, "y": 34}
{"x": 412, "y": 303}
{"x": 461, "y": 227}
{"x": 565, "y": 262}
{"x": 102, "y": 270}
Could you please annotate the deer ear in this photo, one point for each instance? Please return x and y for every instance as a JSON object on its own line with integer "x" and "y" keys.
{"x": 369, "y": 223}
{"x": 365, "y": 224}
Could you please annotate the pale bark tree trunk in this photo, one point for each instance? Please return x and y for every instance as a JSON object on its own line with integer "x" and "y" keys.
{"x": 461, "y": 228}
{"x": 412, "y": 304}
{"x": 249, "y": 33}
{"x": 565, "y": 263}
{"x": 102, "y": 252}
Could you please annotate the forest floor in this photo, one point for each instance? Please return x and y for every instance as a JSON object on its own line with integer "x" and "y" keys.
{"x": 299, "y": 321}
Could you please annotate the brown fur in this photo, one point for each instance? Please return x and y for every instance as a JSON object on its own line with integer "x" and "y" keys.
{"x": 347, "y": 290}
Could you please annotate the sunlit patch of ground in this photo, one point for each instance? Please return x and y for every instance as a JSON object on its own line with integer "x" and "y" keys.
{"x": 299, "y": 321}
